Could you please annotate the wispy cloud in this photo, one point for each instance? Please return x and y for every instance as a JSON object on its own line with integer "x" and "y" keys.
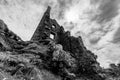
{"x": 108, "y": 9}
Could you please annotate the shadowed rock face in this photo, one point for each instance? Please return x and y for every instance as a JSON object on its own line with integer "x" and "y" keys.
{"x": 61, "y": 57}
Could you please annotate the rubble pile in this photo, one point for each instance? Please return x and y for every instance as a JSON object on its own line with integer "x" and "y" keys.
{"x": 51, "y": 54}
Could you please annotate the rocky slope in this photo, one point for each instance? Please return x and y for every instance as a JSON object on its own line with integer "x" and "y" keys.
{"x": 51, "y": 54}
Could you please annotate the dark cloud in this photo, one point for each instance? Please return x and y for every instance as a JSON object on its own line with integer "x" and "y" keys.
{"x": 94, "y": 1}
{"x": 116, "y": 37}
{"x": 3, "y": 2}
{"x": 108, "y": 8}
{"x": 102, "y": 32}
{"x": 94, "y": 41}
{"x": 64, "y": 3}
{"x": 69, "y": 25}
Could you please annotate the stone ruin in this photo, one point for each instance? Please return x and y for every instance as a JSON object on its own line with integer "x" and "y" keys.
{"x": 62, "y": 56}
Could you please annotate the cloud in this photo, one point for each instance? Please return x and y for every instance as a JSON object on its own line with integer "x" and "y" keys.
{"x": 108, "y": 54}
{"x": 108, "y": 10}
{"x": 116, "y": 36}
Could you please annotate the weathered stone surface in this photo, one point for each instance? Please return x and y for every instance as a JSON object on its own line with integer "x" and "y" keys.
{"x": 41, "y": 31}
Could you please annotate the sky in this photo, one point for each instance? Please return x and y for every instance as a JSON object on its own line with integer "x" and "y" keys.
{"x": 96, "y": 21}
